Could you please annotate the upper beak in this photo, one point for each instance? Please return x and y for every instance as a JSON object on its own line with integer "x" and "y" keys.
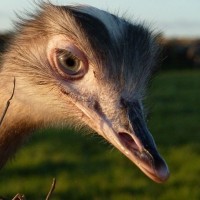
{"x": 134, "y": 142}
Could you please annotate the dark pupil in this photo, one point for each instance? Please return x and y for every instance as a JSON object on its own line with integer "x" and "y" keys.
{"x": 70, "y": 62}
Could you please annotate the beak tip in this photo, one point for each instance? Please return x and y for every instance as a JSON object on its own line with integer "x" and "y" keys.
{"x": 162, "y": 171}
{"x": 163, "y": 176}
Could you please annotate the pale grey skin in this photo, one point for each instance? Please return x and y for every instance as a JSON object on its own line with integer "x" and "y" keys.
{"x": 116, "y": 61}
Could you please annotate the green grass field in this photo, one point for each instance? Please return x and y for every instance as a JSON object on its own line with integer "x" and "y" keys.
{"x": 87, "y": 168}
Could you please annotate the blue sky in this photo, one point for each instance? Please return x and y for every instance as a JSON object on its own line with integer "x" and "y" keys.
{"x": 179, "y": 18}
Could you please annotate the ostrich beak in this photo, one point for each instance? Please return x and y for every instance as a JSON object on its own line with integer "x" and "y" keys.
{"x": 136, "y": 142}
{"x": 140, "y": 146}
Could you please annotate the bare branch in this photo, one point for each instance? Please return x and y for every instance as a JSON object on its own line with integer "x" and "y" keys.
{"x": 51, "y": 189}
{"x": 8, "y": 103}
{"x": 19, "y": 197}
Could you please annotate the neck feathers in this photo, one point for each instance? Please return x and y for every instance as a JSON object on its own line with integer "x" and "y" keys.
{"x": 16, "y": 125}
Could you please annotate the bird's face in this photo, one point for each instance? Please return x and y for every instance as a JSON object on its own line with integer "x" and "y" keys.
{"x": 104, "y": 88}
{"x": 102, "y": 65}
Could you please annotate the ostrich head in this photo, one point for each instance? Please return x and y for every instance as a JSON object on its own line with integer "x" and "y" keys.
{"x": 81, "y": 65}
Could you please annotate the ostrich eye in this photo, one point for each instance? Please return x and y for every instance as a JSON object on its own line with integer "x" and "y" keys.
{"x": 68, "y": 62}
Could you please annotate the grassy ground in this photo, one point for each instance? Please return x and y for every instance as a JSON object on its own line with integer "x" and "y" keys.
{"x": 86, "y": 168}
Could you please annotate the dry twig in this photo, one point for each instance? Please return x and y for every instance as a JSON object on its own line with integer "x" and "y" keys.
{"x": 19, "y": 197}
{"x": 22, "y": 196}
{"x": 53, "y": 185}
{"x": 8, "y": 103}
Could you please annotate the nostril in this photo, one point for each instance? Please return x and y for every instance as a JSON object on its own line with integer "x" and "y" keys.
{"x": 128, "y": 141}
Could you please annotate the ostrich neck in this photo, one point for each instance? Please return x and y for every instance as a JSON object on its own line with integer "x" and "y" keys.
{"x": 16, "y": 125}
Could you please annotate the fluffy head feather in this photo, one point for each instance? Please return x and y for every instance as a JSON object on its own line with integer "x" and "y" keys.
{"x": 105, "y": 39}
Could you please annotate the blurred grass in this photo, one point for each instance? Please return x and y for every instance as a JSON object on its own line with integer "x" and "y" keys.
{"x": 86, "y": 168}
